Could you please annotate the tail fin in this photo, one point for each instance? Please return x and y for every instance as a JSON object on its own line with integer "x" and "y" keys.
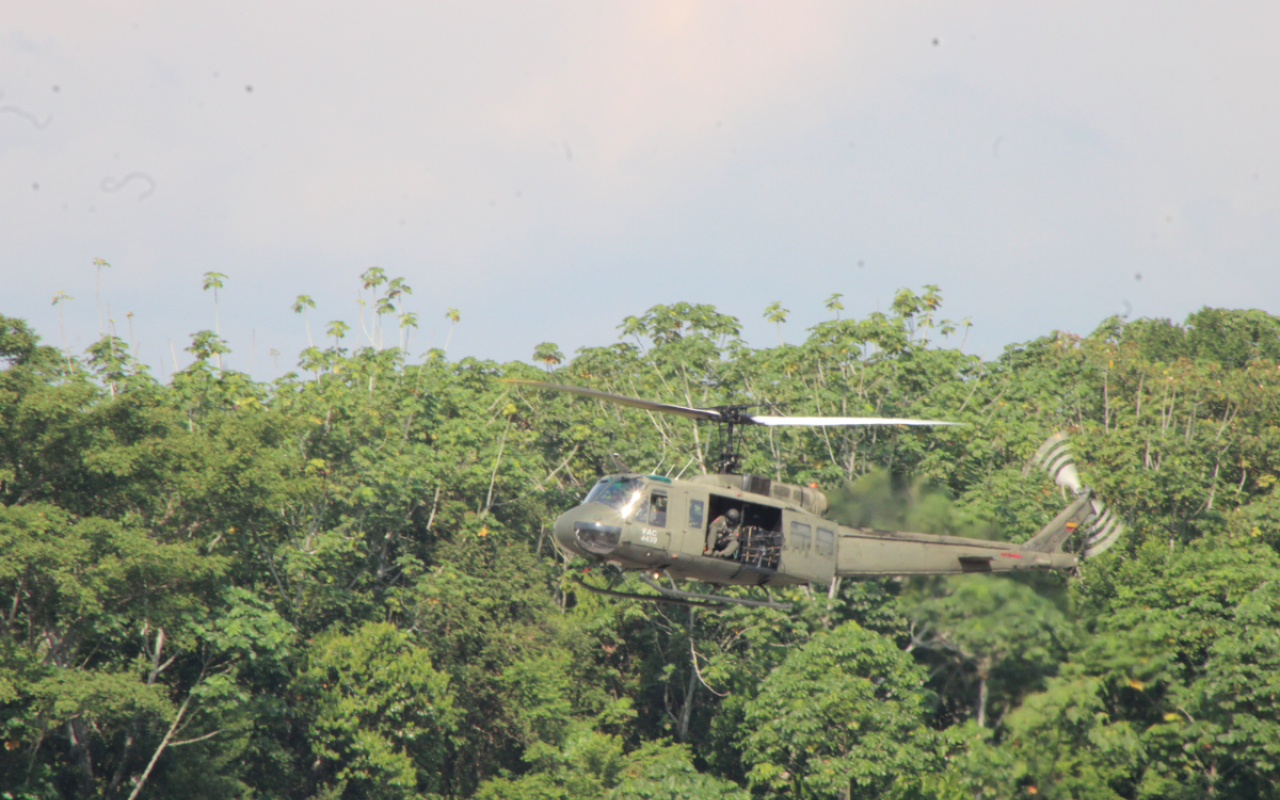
{"x": 1054, "y": 457}
{"x": 1051, "y": 536}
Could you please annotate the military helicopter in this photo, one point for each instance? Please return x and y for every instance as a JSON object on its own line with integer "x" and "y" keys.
{"x": 660, "y": 526}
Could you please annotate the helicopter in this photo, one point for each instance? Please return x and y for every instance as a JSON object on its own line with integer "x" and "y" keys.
{"x": 660, "y": 526}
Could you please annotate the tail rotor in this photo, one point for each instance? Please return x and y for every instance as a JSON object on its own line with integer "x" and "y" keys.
{"x": 1103, "y": 527}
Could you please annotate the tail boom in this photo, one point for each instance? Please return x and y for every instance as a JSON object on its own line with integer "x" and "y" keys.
{"x": 870, "y": 553}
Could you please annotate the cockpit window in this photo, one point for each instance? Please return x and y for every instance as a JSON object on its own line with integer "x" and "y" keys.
{"x": 614, "y": 492}
{"x": 598, "y": 488}
{"x": 655, "y": 513}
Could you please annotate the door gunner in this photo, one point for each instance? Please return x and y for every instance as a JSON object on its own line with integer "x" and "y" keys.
{"x": 722, "y": 536}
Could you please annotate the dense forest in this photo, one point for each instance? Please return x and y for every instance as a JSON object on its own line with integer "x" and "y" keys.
{"x": 341, "y": 584}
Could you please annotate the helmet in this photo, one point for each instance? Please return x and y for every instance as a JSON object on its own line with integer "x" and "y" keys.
{"x": 733, "y": 515}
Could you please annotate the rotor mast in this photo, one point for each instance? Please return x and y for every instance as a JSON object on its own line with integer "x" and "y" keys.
{"x": 730, "y": 462}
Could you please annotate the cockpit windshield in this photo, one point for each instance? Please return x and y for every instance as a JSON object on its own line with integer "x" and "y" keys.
{"x": 614, "y": 492}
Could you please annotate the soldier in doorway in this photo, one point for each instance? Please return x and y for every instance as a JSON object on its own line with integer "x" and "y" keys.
{"x": 722, "y": 536}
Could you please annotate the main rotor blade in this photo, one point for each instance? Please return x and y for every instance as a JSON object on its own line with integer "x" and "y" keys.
{"x": 690, "y": 413}
{"x": 824, "y": 421}
{"x": 711, "y": 415}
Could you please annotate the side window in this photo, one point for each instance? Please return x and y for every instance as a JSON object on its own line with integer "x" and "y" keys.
{"x": 826, "y": 542}
{"x": 800, "y": 534}
{"x": 658, "y": 510}
{"x": 695, "y": 513}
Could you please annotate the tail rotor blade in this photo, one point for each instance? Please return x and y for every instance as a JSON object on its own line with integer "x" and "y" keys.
{"x": 1104, "y": 528}
{"x": 1054, "y": 457}
{"x": 1104, "y": 544}
{"x": 1104, "y": 531}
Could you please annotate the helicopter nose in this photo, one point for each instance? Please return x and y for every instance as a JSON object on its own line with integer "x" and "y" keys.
{"x": 588, "y": 532}
{"x": 563, "y": 530}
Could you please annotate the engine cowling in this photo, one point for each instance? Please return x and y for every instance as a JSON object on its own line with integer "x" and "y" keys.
{"x": 808, "y": 498}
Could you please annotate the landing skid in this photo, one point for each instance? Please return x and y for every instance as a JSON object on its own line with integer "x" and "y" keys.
{"x": 684, "y": 598}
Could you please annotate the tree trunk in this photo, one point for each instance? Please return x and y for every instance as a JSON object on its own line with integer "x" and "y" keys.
{"x": 682, "y": 733}
{"x": 686, "y": 711}
{"x": 984, "y": 669}
{"x": 79, "y": 738}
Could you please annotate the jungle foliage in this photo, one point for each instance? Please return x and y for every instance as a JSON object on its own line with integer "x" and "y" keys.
{"x": 340, "y": 584}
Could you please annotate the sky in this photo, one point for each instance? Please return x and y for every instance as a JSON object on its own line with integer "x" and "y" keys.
{"x": 549, "y": 168}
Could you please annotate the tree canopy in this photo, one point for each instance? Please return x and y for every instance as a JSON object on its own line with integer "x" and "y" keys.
{"x": 341, "y": 583}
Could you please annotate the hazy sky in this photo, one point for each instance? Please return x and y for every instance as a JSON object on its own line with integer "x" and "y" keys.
{"x": 550, "y": 168}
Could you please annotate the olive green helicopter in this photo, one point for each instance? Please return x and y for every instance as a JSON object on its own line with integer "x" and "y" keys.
{"x": 733, "y": 529}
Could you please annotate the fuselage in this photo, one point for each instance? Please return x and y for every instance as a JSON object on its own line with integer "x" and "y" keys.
{"x": 650, "y": 522}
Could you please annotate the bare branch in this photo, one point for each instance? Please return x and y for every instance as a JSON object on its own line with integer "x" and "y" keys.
{"x": 694, "y": 658}
{"x": 142, "y": 781}
{"x": 196, "y": 739}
